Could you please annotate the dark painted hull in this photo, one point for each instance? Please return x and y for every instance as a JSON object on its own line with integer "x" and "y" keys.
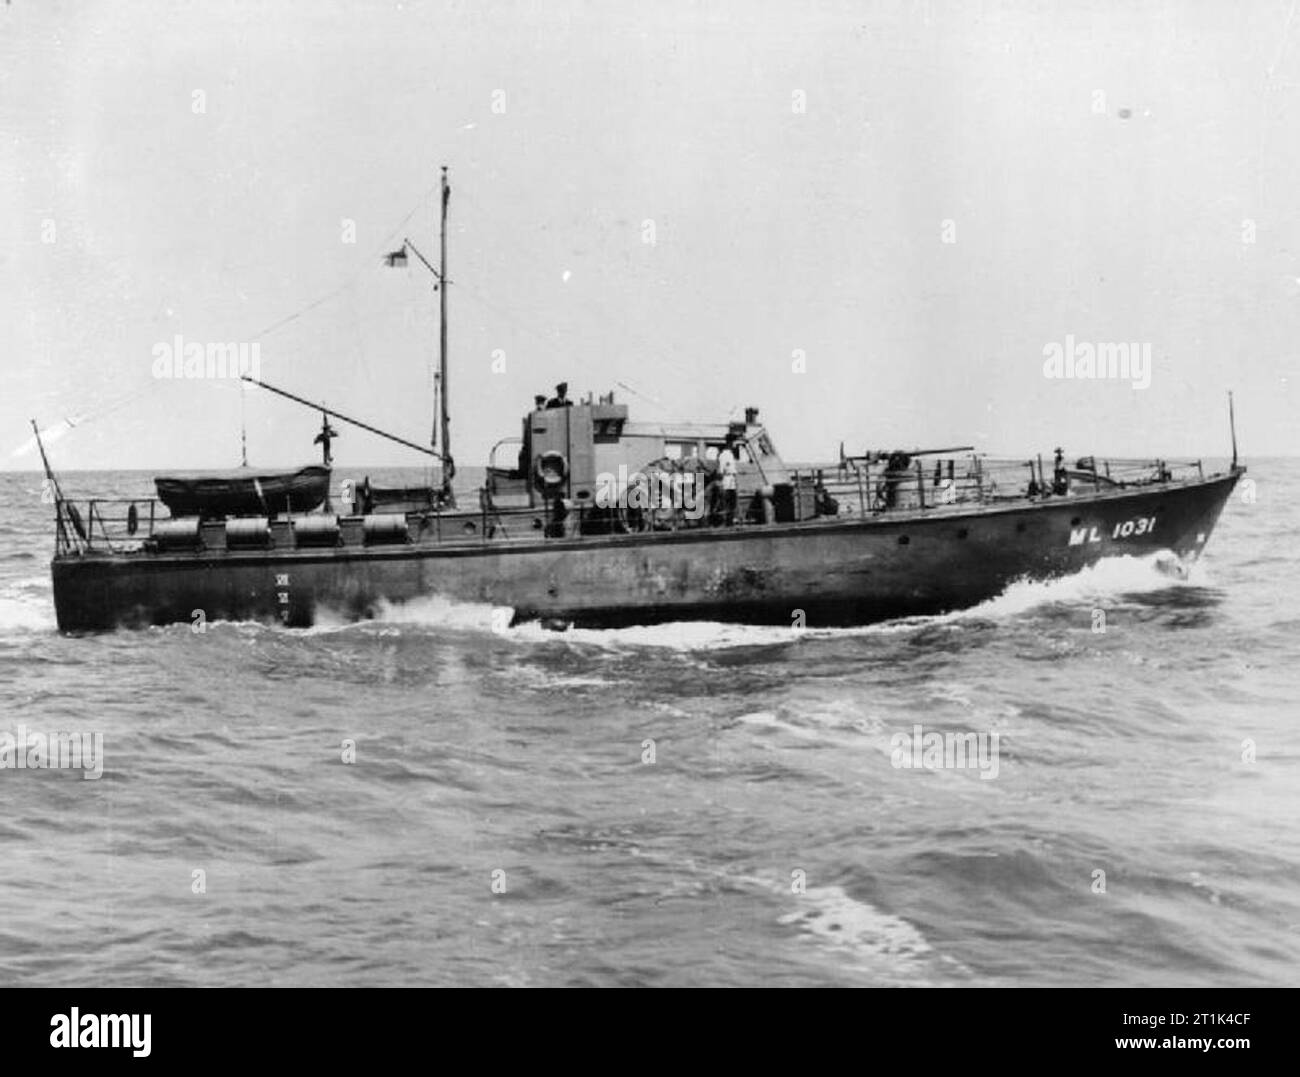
{"x": 838, "y": 572}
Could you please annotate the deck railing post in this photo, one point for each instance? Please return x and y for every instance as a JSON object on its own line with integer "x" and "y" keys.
{"x": 920, "y": 482}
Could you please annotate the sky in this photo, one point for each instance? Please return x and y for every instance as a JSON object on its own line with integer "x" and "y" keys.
{"x": 873, "y": 221}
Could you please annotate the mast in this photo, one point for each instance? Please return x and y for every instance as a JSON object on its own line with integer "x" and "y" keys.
{"x": 45, "y": 461}
{"x": 441, "y": 412}
{"x": 243, "y": 426}
{"x": 62, "y": 540}
{"x": 448, "y": 466}
{"x": 1232, "y": 426}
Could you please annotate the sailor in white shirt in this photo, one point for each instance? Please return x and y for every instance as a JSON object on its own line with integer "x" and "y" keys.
{"x": 727, "y": 470}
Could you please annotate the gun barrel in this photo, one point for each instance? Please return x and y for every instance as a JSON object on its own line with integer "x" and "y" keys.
{"x": 915, "y": 452}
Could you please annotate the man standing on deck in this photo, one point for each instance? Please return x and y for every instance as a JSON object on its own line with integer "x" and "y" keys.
{"x": 1060, "y": 477}
{"x": 561, "y": 397}
{"x": 727, "y": 470}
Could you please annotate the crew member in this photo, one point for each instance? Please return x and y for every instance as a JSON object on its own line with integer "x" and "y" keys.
{"x": 561, "y": 397}
{"x": 1060, "y": 477}
{"x": 539, "y": 401}
{"x": 896, "y": 471}
{"x": 727, "y": 470}
{"x": 826, "y": 505}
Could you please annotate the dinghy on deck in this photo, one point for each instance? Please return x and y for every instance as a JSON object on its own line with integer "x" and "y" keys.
{"x": 244, "y": 491}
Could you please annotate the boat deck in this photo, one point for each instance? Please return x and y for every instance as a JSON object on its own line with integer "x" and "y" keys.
{"x": 858, "y": 492}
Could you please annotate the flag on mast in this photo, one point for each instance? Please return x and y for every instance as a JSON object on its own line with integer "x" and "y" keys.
{"x": 49, "y": 434}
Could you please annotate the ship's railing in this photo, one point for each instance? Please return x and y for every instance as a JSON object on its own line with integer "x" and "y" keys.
{"x": 120, "y": 525}
{"x": 854, "y": 487}
{"x": 111, "y": 524}
{"x": 859, "y": 487}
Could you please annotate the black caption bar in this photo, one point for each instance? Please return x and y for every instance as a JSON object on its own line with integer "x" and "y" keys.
{"x": 169, "y": 1027}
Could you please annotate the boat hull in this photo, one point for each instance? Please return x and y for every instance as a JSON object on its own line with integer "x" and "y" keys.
{"x": 823, "y": 572}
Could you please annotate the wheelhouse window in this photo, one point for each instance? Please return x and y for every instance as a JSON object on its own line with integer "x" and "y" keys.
{"x": 607, "y": 430}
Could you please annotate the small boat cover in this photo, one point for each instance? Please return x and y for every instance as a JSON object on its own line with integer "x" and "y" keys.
{"x": 244, "y": 491}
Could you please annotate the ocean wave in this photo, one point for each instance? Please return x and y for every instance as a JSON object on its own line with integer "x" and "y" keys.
{"x": 1109, "y": 579}
{"x": 860, "y": 936}
{"x": 837, "y": 921}
{"x": 41, "y": 584}
{"x": 437, "y": 611}
{"x": 388, "y": 619}
{"x": 865, "y": 936}
{"x": 21, "y": 614}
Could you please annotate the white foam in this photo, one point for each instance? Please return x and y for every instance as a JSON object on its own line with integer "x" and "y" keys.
{"x": 443, "y": 612}
{"x": 42, "y": 584}
{"x": 877, "y": 942}
{"x": 26, "y": 605}
{"x": 839, "y": 922}
{"x": 859, "y": 933}
{"x": 26, "y": 615}
{"x": 769, "y": 720}
{"x": 1105, "y": 581}
{"x": 673, "y": 635}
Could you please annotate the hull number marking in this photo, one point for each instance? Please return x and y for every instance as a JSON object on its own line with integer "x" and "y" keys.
{"x": 1143, "y": 525}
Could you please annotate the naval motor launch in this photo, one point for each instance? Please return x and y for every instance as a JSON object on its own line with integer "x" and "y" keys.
{"x": 590, "y": 517}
